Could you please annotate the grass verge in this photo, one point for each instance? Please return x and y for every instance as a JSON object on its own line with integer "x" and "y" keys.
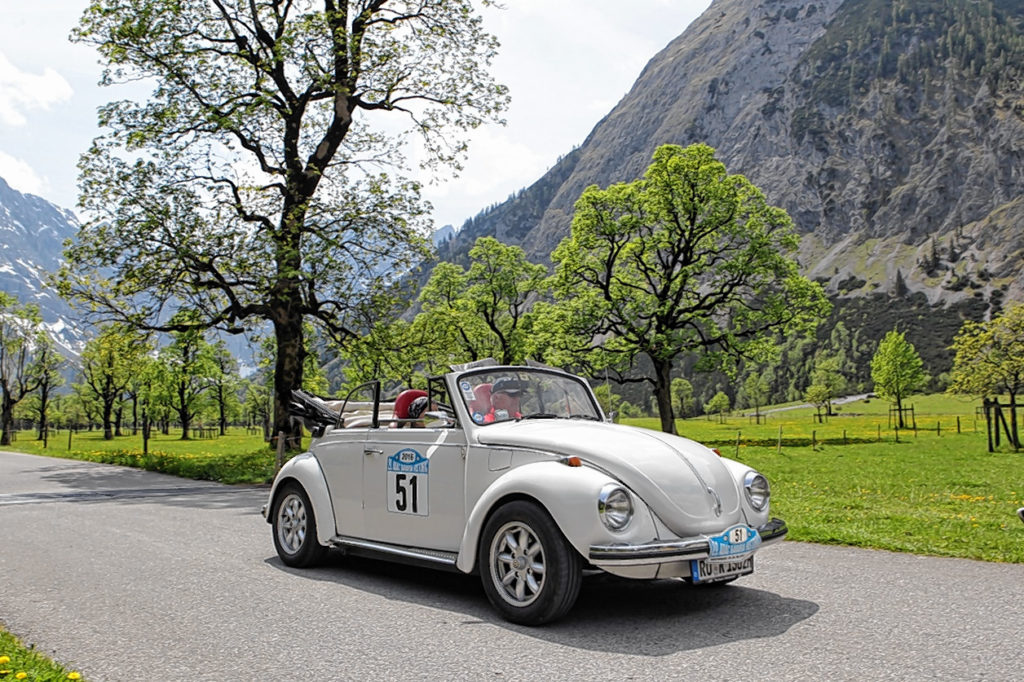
{"x": 236, "y": 457}
{"x": 18, "y": 662}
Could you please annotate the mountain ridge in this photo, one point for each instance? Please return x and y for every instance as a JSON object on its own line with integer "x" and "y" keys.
{"x": 33, "y": 231}
{"x": 879, "y": 126}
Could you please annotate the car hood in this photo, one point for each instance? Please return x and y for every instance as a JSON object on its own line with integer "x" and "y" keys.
{"x": 683, "y": 482}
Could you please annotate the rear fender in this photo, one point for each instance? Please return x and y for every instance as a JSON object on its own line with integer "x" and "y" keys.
{"x": 305, "y": 470}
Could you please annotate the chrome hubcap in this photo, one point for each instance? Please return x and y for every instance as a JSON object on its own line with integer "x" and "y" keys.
{"x": 517, "y": 563}
{"x": 291, "y": 523}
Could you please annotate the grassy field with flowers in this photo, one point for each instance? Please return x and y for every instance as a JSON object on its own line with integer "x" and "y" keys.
{"x": 18, "y": 662}
{"x": 239, "y": 456}
{"x": 853, "y": 480}
{"x": 848, "y": 480}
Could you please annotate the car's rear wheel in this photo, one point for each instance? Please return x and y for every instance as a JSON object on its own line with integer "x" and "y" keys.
{"x": 294, "y": 526}
{"x": 530, "y": 573}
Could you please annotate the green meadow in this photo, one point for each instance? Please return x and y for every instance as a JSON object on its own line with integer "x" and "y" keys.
{"x": 849, "y": 479}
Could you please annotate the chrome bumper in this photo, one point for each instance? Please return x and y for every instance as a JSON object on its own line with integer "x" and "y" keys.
{"x": 675, "y": 550}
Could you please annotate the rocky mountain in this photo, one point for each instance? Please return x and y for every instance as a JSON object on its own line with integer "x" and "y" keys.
{"x": 892, "y": 131}
{"x": 32, "y": 233}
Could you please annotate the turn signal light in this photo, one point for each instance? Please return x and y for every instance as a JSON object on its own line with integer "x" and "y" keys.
{"x": 716, "y": 451}
{"x": 572, "y": 461}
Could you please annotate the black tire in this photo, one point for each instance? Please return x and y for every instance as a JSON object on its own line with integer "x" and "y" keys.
{"x": 294, "y": 526}
{"x": 530, "y": 573}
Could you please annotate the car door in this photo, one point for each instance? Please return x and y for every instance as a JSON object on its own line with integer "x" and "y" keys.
{"x": 414, "y": 487}
{"x": 340, "y": 454}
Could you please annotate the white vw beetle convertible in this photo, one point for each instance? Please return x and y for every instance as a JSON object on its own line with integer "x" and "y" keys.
{"x": 514, "y": 472}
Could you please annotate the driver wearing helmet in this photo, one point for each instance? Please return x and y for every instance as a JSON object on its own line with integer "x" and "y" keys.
{"x": 505, "y": 395}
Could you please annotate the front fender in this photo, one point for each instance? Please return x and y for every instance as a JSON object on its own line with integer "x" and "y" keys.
{"x": 305, "y": 470}
{"x": 739, "y": 470}
{"x": 569, "y": 494}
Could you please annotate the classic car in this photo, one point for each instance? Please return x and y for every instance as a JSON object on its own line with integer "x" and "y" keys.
{"x": 515, "y": 473}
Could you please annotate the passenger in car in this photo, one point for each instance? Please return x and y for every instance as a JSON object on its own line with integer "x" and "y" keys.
{"x": 505, "y": 395}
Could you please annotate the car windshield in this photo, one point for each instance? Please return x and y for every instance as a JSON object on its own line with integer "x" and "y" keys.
{"x": 504, "y": 394}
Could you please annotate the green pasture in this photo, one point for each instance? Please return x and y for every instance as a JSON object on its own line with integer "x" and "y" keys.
{"x": 866, "y": 421}
{"x": 847, "y": 480}
{"x": 239, "y": 456}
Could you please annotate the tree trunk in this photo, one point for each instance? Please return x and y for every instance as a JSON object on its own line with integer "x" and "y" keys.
{"x": 663, "y": 393}
{"x": 44, "y": 400}
{"x": 108, "y": 425}
{"x": 184, "y": 414}
{"x": 223, "y": 411}
{"x": 899, "y": 412}
{"x": 7, "y": 420}
{"x": 288, "y": 366}
{"x": 1014, "y": 434}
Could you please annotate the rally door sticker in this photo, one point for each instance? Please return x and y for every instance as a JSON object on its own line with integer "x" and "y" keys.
{"x": 408, "y": 484}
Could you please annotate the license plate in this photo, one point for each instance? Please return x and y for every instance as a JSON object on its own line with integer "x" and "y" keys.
{"x": 708, "y": 571}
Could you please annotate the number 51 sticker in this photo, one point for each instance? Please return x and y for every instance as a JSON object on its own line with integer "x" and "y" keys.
{"x": 408, "y": 483}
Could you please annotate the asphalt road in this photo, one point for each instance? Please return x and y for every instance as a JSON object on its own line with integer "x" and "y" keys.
{"x": 129, "y": 575}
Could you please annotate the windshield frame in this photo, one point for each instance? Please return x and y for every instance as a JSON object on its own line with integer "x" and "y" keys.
{"x": 531, "y": 379}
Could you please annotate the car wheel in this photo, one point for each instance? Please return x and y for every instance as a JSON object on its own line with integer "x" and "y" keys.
{"x": 530, "y": 573}
{"x": 295, "y": 528}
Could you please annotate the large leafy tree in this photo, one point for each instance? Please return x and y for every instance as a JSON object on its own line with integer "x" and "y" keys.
{"x": 897, "y": 370}
{"x": 225, "y": 384}
{"x": 47, "y": 369}
{"x": 19, "y": 345}
{"x": 827, "y": 382}
{"x": 482, "y": 311}
{"x": 262, "y": 182}
{"x": 109, "y": 363}
{"x": 188, "y": 372}
{"x": 989, "y": 360}
{"x": 687, "y": 259}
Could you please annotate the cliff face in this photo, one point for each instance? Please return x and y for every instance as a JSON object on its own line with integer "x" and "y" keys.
{"x": 892, "y": 131}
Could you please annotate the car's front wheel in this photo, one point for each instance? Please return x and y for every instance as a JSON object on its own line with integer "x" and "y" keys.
{"x": 294, "y": 526}
{"x": 530, "y": 573}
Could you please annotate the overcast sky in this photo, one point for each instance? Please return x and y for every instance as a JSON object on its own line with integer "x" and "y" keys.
{"x": 566, "y": 62}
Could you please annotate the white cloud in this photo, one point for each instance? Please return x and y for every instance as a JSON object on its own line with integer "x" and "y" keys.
{"x": 21, "y": 91}
{"x": 21, "y": 176}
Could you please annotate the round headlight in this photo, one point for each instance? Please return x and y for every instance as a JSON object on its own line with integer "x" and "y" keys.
{"x": 757, "y": 489}
{"x": 615, "y": 507}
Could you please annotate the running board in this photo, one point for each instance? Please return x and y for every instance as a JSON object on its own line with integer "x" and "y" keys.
{"x": 417, "y": 556}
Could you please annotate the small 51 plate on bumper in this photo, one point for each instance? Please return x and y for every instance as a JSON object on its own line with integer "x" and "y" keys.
{"x": 730, "y": 555}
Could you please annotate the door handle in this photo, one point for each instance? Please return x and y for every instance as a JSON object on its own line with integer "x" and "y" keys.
{"x": 372, "y": 451}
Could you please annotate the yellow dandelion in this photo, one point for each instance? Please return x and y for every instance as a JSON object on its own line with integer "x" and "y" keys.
{"x": 74, "y": 676}
{"x": 5, "y": 659}
{"x": 21, "y": 676}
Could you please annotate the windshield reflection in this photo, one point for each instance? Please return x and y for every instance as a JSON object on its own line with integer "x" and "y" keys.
{"x": 501, "y": 395}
